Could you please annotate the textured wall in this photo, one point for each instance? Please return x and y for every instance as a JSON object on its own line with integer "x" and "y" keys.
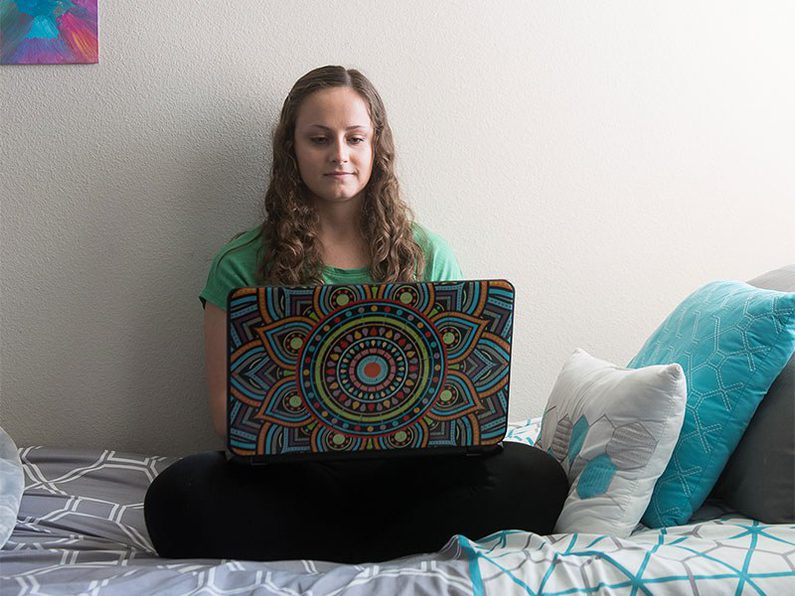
{"x": 606, "y": 157}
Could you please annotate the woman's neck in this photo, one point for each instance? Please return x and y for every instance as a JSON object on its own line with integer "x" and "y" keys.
{"x": 340, "y": 235}
{"x": 340, "y": 218}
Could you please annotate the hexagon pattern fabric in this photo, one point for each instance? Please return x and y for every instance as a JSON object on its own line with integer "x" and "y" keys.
{"x": 613, "y": 430}
{"x": 81, "y": 531}
{"x": 732, "y": 340}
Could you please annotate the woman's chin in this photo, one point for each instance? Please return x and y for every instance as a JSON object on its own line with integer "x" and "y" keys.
{"x": 340, "y": 198}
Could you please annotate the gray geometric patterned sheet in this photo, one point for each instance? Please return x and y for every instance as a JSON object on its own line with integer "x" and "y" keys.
{"x": 80, "y": 530}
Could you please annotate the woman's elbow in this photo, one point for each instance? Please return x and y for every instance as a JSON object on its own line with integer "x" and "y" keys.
{"x": 220, "y": 428}
{"x": 218, "y": 413}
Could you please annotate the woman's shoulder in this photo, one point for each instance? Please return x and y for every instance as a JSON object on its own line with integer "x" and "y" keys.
{"x": 243, "y": 248}
{"x": 427, "y": 238}
{"x": 249, "y": 240}
{"x": 234, "y": 265}
{"x": 440, "y": 261}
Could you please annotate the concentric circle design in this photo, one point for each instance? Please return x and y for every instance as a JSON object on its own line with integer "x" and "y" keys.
{"x": 329, "y": 297}
{"x": 373, "y": 368}
{"x": 451, "y": 336}
{"x": 370, "y": 370}
{"x": 329, "y": 440}
{"x": 405, "y": 437}
{"x": 420, "y": 297}
{"x": 292, "y": 403}
{"x": 292, "y": 342}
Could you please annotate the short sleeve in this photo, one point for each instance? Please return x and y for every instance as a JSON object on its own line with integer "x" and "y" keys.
{"x": 234, "y": 266}
{"x": 440, "y": 260}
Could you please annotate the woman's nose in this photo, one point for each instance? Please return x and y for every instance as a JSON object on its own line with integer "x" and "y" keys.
{"x": 340, "y": 154}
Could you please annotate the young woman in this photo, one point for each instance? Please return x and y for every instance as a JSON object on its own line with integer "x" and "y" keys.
{"x": 335, "y": 215}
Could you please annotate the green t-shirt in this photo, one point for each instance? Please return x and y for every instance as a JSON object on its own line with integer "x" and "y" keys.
{"x": 237, "y": 263}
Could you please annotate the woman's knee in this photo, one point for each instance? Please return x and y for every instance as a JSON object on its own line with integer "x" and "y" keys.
{"x": 175, "y": 499}
{"x": 534, "y": 465}
{"x": 536, "y": 481}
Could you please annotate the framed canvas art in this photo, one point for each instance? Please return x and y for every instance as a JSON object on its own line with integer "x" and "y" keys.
{"x": 48, "y": 32}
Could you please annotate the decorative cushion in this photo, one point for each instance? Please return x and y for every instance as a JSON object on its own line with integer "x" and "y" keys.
{"x": 12, "y": 483}
{"x": 613, "y": 430}
{"x": 732, "y": 341}
{"x": 759, "y": 480}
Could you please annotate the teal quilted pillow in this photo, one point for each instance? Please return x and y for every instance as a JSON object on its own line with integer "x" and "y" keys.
{"x": 732, "y": 340}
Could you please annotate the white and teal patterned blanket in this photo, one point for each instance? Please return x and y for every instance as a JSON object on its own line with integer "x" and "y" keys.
{"x": 81, "y": 530}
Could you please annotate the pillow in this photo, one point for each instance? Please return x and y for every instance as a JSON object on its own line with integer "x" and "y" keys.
{"x": 732, "y": 340}
{"x": 612, "y": 429}
{"x": 12, "y": 482}
{"x": 759, "y": 480}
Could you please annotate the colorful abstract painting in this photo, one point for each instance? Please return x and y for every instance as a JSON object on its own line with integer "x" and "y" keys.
{"x": 48, "y": 32}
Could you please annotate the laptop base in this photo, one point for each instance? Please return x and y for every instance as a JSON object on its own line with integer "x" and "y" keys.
{"x": 476, "y": 451}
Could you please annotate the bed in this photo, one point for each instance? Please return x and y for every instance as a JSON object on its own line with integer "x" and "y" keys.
{"x": 80, "y": 530}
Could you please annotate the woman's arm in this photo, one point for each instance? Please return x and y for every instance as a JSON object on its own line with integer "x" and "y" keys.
{"x": 215, "y": 362}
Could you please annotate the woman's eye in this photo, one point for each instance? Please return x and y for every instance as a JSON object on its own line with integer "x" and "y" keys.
{"x": 318, "y": 140}
{"x": 357, "y": 140}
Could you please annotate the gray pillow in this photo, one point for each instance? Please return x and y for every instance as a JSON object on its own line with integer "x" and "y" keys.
{"x": 12, "y": 483}
{"x": 759, "y": 478}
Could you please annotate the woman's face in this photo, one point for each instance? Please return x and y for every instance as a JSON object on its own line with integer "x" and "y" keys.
{"x": 334, "y": 144}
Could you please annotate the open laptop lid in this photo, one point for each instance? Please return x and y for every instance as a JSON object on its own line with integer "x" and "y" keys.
{"x": 368, "y": 369}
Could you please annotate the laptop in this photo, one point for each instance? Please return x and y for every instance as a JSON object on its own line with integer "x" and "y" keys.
{"x": 368, "y": 370}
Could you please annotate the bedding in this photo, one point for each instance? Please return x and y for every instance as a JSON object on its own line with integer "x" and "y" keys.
{"x": 80, "y": 529}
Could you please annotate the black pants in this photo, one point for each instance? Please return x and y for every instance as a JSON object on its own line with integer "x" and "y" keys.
{"x": 352, "y": 511}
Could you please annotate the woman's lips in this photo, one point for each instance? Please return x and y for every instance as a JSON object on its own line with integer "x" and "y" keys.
{"x": 339, "y": 174}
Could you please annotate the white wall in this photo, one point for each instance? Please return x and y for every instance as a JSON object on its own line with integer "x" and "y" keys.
{"x": 607, "y": 157}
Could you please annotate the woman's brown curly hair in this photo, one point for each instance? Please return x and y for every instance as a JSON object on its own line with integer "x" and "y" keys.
{"x": 290, "y": 233}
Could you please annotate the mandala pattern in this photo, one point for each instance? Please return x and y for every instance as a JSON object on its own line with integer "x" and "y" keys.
{"x": 339, "y": 368}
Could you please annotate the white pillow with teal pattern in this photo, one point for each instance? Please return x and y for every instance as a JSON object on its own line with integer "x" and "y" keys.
{"x": 613, "y": 430}
{"x": 12, "y": 483}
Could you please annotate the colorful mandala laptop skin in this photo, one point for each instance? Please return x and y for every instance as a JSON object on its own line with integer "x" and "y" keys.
{"x": 368, "y": 370}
